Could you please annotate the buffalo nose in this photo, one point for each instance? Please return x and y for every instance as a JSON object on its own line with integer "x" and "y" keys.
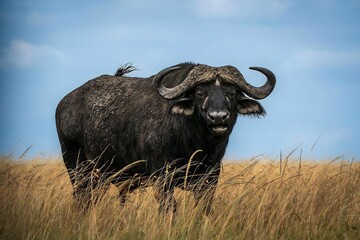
{"x": 215, "y": 115}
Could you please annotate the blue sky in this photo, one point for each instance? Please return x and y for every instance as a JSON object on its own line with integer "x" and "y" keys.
{"x": 48, "y": 48}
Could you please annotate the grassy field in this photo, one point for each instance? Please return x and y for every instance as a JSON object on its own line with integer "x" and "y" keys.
{"x": 255, "y": 199}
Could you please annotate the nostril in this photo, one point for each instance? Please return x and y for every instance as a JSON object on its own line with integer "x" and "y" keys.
{"x": 212, "y": 115}
{"x": 223, "y": 115}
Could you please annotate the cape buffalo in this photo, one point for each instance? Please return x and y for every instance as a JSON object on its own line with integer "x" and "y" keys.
{"x": 172, "y": 127}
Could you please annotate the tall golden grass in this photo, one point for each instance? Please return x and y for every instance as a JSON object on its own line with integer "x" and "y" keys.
{"x": 255, "y": 199}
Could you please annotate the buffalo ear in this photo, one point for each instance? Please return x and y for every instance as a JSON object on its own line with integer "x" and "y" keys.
{"x": 247, "y": 106}
{"x": 183, "y": 106}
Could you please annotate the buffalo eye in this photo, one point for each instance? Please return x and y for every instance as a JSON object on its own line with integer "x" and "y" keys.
{"x": 200, "y": 94}
{"x": 231, "y": 94}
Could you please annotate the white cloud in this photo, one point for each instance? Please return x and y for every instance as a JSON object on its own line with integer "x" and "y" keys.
{"x": 24, "y": 54}
{"x": 314, "y": 59}
{"x": 241, "y": 8}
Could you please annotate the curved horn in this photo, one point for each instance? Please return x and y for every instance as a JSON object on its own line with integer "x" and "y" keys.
{"x": 199, "y": 73}
{"x": 163, "y": 91}
{"x": 267, "y": 88}
{"x": 252, "y": 91}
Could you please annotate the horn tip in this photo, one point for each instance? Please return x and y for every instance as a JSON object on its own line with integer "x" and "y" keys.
{"x": 254, "y": 68}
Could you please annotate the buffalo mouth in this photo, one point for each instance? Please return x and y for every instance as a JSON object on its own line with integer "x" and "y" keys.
{"x": 219, "y": 130}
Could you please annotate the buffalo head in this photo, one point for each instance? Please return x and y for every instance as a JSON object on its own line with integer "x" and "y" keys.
{"x": 216, "y": 94}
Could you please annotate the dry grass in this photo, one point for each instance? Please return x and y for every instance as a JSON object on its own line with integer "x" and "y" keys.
{"x": 254, "y": 200}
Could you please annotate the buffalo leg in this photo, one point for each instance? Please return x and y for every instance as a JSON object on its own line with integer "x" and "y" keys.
{"x": 125, "y": 189}
{"x": 84, "y": 177}
{"x": 204, "y": 193}
{"x": 164, "y": 194}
